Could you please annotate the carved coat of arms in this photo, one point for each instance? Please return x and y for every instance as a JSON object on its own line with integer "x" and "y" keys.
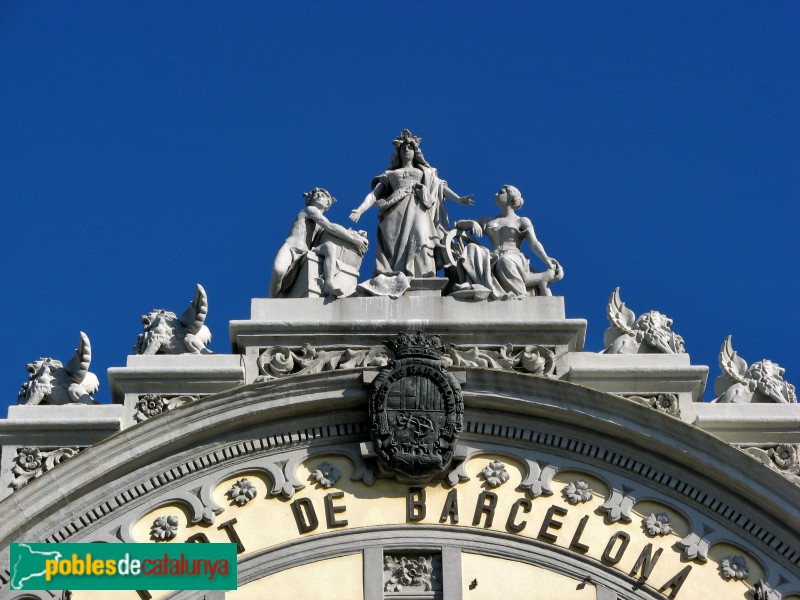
{"x": 416, "y": 409}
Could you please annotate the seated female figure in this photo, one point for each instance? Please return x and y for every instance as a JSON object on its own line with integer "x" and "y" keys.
{"x": 505, "y": 271}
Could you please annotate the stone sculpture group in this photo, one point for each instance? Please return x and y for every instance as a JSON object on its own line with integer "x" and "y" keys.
{"x": 415, "y": 242}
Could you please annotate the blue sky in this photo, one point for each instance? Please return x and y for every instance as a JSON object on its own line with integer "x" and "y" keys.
{"x": 148, "y": 146}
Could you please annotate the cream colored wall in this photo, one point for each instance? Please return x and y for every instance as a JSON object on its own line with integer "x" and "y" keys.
{"x": 488, "y": 578}
{"x": 265, "y": 522}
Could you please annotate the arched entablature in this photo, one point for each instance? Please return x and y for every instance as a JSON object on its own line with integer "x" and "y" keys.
{"x": 539, "y": 428}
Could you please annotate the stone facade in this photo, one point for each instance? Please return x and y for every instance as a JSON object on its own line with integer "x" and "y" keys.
{"x": 419, "y": 437}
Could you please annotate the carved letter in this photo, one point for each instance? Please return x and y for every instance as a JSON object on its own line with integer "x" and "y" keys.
{"x": 487, "y": 502}
{"x": 676, "y": 582}
{"x": 331, "y": 511}
{"x": 549, "y": 522}
{"x": 575, "y": 544}
{"x": 450, "y": 508}
{"x": 198, "y": 538}
{"x": 308, "y": 521}
{"x": 232, "y": 535}
{"x": 415, "y": 504}
{"x": 646, "y": 562}
{"x": 512, "y": 516}
{"x": 144, "y": 594}
{"x": 620, "y": 535}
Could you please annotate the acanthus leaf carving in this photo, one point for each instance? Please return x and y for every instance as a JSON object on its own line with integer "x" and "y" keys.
{"x": 151, "y": 405}
{"x": 281, "y": 361}
{"x": 782, "y": 458}
{"x": 31, "y": 463}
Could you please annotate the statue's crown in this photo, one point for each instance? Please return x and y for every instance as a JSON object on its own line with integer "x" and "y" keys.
{"x": 417, "y": 344}
{"x": 406, "y": 138}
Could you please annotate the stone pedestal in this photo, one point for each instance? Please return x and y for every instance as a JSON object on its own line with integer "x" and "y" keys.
{"x": 363, "y": 322}
{"x": 169, "y": 376}
{"x": 641, "y": 375}
{"x": 51, "y": 428}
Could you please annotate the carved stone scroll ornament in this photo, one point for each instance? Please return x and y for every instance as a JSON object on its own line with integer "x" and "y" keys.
{"x": 280, "y": 361}
{"x": 762, "y": 382}
{"x": 618, "y": 507}
{"x": 166, "y": 333}
{"x": 151, "y": 405}
{"x": 666, "y": 403}
{"x": 782, "y": 458}
{"x": 31, "y": 463}
{"x": 416, "y": 409}
{"x": 651, "y": 333}
{"x": 536, "y": 360}
{"x": 51, "y": 382}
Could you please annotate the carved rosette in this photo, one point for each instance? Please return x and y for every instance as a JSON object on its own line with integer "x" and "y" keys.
{"x": 416, "y": 409}
{"x": 151, "y": 405}
{"x": 409, "y": 576}
{"x": 31, "y": 463}
{"x": 657, "y": 524}
{"x": 495, "y": 474}
{"x": 164, "y": 528}
{"x": 326, "y": 475}
{"x": 782, "y": 458}
{"x": 577, "y": 492}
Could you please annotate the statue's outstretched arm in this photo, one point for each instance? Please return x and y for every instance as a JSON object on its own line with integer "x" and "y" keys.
{"x": 465, "y": 200}
{"x": 355, "y": 215}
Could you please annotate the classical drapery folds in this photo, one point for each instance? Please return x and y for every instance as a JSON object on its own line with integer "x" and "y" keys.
{"x": 166, "y": 333}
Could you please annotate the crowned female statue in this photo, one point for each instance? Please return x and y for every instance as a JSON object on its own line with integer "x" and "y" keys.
{"x": 412, "y": 219}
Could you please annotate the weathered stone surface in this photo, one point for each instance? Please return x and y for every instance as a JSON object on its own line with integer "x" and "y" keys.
{"x": 762, "y": 382}
{"x": 504, "y": 271}
{"x": 650, "y": 333}
{"x": 319, "y": 258}
{"x": 166, "y": 333}
{"x": 51, "y": 382}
